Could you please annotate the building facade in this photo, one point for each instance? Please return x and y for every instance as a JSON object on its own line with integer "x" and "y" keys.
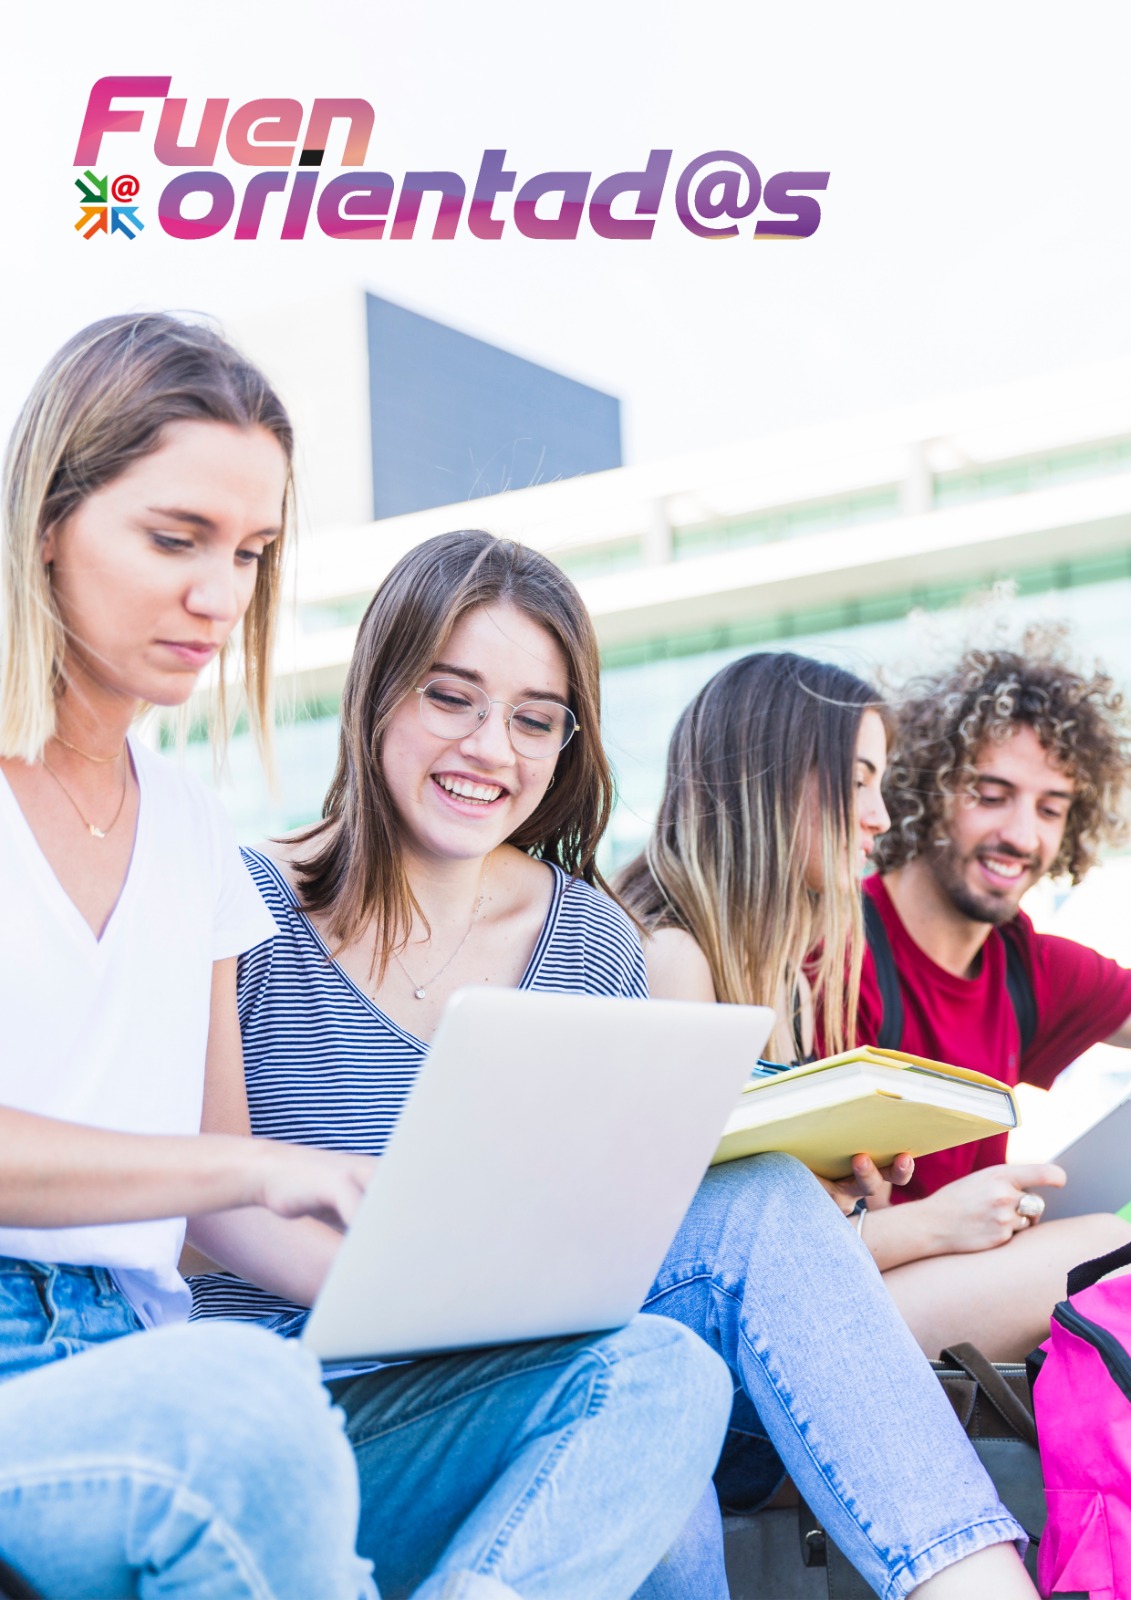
{"x": 453, "y": 418}
{"x": 874, "y": 543}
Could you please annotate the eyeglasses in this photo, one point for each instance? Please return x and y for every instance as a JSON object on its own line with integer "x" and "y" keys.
{"x": 453, "y": 709}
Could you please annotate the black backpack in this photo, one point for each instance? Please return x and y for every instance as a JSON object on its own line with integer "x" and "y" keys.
{"x": 1017, "y": 981}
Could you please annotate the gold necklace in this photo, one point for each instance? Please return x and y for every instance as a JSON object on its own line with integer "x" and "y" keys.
{"x": 91, "y": 827}
{"x": 102, "y": 761}
{"x": 418, "y": 989}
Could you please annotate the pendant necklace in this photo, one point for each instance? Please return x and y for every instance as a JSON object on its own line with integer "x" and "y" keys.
{"x": 419, "y": 989}
{"x": 92, "y": 827}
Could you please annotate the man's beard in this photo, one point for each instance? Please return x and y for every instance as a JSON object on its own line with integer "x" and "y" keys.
{"x": 947, "y": 866}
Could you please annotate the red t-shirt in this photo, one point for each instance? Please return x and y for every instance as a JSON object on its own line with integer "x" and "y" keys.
{"x": 1081, "y": 998}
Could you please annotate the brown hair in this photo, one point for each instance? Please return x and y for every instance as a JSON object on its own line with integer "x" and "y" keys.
{"x": 101, "y": 403}
{"x": 726, "y": 861}
{"x": 358, "y": 873}
{"x": 944, "y": 720}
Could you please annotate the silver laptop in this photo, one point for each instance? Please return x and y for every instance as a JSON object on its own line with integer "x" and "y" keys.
{"x": 1098, "y": 1166}
{"x": 541, "y": 1168}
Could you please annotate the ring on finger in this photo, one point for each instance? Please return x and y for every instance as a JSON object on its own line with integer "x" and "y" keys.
{"x": 1030, "y": 1206}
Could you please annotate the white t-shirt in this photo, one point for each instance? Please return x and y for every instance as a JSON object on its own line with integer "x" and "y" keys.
{"x": 112, "y": 1032}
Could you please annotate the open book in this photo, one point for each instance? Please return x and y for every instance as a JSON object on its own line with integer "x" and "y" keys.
{"x": 878, "y": 1101}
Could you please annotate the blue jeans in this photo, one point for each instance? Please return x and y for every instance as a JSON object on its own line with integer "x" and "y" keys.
{"x": 553, "y": 1471}
{"x": 204, "y": 1463}
{"x": 767, "y": 1271}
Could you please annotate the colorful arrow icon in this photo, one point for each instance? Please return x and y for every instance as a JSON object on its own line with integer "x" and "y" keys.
{"x": 99, "y": 223}
{"x": 127, "y": 221}
{"x": 95, "y": 193}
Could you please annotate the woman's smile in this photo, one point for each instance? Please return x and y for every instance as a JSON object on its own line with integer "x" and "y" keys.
{"x": 458, "y": 798}
{"x": 460, "y": 789}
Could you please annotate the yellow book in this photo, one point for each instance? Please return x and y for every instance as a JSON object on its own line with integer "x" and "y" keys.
{"x": 878, "y": 1101}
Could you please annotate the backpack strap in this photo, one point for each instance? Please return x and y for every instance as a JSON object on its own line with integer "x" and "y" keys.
{"x": 1008, "y": 1404}
{"x": 887, "y": 978}
{"x": 1018, "y": 983}
{"x": 1089, "y": 1272}
{"x": 1020, "y": 986}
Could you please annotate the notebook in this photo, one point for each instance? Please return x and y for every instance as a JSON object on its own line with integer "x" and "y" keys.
{"x": 881, "y": 1102}
{"x": 538, "y": 1173}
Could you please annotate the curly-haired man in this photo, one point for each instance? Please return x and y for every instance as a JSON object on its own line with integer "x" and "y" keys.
{"x": 1004, "y": 768}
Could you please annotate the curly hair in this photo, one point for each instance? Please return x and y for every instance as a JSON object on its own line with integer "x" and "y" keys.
{"x": 943, "y": 722}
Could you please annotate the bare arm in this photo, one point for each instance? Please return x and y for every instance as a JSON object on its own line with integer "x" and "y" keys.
{"x": 57, "y": 1174}
{"x": 285, "y": 1253}
{"x": 978, "y": 1212}
{"x": 62, "y": 1174}
{"x": 286, "y": 1257}
{"x": 677, "y": 968}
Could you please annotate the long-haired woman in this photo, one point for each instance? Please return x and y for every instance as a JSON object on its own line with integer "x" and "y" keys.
{"x": 543, "y": 1468}
{"x": 747, "y": 887}
{"x": 145, "y": 501}
{"x": 458, "y": 846}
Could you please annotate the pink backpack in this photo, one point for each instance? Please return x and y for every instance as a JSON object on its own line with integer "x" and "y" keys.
{"x": 1082, "y": 1400}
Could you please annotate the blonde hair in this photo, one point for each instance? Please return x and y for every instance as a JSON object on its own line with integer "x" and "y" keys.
{"x": 727, "y": 859}
{"x": 99, "y": 405}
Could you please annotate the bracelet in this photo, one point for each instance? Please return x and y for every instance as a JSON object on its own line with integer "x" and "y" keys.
{"x": 857, "y": 1215}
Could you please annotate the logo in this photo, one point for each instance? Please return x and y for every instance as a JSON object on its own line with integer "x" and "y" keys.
{"x": 715, "y": 195}
{"x": 100, "y": 217}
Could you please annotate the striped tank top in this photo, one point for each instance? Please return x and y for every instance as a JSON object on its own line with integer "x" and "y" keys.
{"x": 325, "y": 1066}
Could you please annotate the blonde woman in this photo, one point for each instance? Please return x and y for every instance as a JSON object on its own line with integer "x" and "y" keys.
{"x": 145, "y": 504}
{"x": 747, "y": 889}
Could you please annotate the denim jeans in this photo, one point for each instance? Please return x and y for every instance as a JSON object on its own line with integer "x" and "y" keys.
{"x": 554, "y": 1471}
{"x": 204, "y": 1463}
{"x": 766, "y": 1269}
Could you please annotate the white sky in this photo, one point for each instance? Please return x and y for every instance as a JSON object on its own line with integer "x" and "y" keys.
{"x": 976, "y": 226}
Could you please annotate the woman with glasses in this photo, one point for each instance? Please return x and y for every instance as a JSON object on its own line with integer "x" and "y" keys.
{"x": 457, "y": 846}
{"x": 539, "y": 1469}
